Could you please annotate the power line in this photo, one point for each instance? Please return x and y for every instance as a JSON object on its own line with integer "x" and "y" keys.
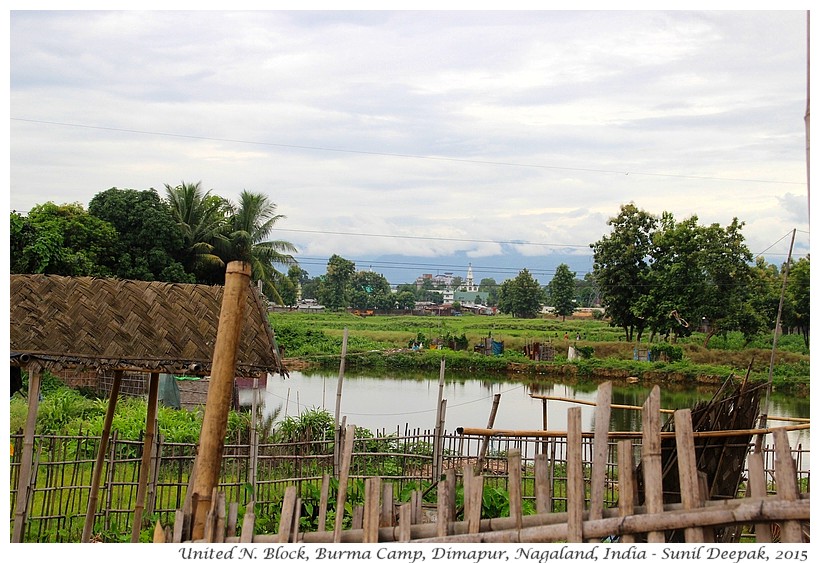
{"x": 402, "y": 155}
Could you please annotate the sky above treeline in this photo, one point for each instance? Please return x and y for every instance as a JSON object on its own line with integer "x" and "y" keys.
{"x": 424, "y": 138}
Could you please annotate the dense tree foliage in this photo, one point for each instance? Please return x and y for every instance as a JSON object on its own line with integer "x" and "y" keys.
{"x": 797, "y": 294}
{"x": 61, "y": 239}
{"x": 149, "y": 244}
{"x": 491, "y": 287}
{"x": 620, "y": 267}
{"x": 369, "y": 290}
{"x": 561, "y": 291}
{"x": 521, "y": 296}
{"x": 673, "y": 277}
{"x": 334, "y": 292}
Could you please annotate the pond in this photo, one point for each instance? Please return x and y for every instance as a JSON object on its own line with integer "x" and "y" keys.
{"x": 395, "y": 403}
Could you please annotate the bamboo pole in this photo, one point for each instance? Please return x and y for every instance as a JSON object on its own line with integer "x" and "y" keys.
{"x": 626, "y": 484}
{"x": 515, "y": 485}
{"x": 460, "y": 528}
{"x": 485, "y": 443}
{"x": 592, "y": 403}
{"x": 787, "y": 489}
{"x": 287, "y": 515}
{"x": 600, "y": 446}
{"x": 344, "y": 472}
{"x": 575, "y": 477}
{"x": 220, "y": 389}
{"x": 543, "y": 492}
{"x": 93, "y": 494}
{"x": 439, "y": 423}
{"x": 757, "y": 488}
{"x": 147, "y": 448}
{"x": 651, "y": 458}
{"x": 688, "y": 471}
{"x": 337, "y": 432}
{"x": 745, "y": 512}
{"x": 626, "y": 434}
{"x": 24, "y": 476}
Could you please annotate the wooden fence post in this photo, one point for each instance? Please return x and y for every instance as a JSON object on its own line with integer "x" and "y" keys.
{"x": 575, "y": 477}
{"x": 651, "y": 459}
{"x": 687, "y": 470}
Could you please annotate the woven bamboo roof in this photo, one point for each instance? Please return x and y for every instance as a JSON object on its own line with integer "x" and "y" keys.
{"x": 100, "y": 323}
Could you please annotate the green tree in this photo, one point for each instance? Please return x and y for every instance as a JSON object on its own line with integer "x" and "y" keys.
{"x": 334, "y": 293}
{"x": 61, "y": 239}
{"x": 149, "y": 242}
{"x": 522, "y": 296}
{"x": 797, "y": 291}
{"x": 621, "y": 266}
{"x": 370, "y": 290}
{"x": 561, "y": 291}
{"x": 291, "y": 286}
{"x": 250, "y": 223}
{"x": 200, "y": 217}
{"x": 491, "y": 287}
{"x": 406, "y": 300}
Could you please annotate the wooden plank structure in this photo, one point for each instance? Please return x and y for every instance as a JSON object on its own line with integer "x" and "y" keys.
{"x": 118, "y": 326}
{"x": 693, "y": 515}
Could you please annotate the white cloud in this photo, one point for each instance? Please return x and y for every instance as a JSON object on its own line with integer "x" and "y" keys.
{"x": 467, "y": 127}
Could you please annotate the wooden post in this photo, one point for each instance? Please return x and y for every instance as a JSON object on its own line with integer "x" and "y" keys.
{"x": 485, "y": 443}
{"x": 147, "y": 448}
{"x": 626, "y": 484}
{"x": 254, "y": 438}
{"x": 515, "y": 486}
{"x": 344, "y": 472}
{"x": 370, "y": 525}
{"x": 575, "y": 477}
{"x": 337, "y": 433}
{"x": 323, "y": 497}
{"x": 757, "y": 489}
{"x": 688, "y": 471}
{"x": 439, "y": 423}
{"x": 651, "y": 459}
{"x": 24, "y": 476}
{"x": 93, "y": 494}
{"x": 600, "y": 452}
{"x": 220, "y": 390}
{"x": 791, "y": 531}
{"x": 543, "y": 494}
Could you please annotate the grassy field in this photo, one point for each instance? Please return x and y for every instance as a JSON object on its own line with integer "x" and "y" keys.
{"x": 385, "y": 341}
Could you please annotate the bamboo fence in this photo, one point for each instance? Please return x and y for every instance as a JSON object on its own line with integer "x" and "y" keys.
{"x": 380, "y": 519}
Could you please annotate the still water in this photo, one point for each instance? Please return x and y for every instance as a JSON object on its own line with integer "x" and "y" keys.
{"x": 409, "y": 401}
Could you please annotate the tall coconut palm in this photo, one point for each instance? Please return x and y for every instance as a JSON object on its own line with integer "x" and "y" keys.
{"x": 201, "y": 218}
{"x": 250, "y": 223}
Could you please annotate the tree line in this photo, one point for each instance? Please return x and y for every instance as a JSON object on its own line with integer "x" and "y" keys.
{"x": 652, "y": 274}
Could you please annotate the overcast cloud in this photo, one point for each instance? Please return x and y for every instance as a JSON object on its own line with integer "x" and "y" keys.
{"x": 440, "y": 132}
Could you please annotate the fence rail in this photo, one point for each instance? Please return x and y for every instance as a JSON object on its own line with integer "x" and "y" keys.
{"x": 262, "y": 473}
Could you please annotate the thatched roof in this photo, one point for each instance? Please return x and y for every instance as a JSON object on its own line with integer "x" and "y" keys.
{"x": 98, "y": 323}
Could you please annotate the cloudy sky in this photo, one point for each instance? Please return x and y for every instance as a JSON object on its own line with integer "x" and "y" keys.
{"x": 427, "y": 135}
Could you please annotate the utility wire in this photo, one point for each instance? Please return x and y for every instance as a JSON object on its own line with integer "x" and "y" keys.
{"x": 401, "y": 155}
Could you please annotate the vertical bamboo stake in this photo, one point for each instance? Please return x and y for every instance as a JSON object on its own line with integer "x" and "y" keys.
{"x": 344, "y": 472}
{"x": 386, "y": 516}
{"x": 600, "y": 448}
{"x": 575, "y": 477}
{"x": 147, "y": 448}
{"x": 248, "y": 521}
{"x": 542, "y": 484}
{"x": 371, "y": 510}
{"x": 337, "y": 434}
{"x": 24, "y": 476}
{"x": 515, "y": 488}
{"x": 757, "y": 488}
{"x": 287, "y": 515}
{"x": 688, "y": 470}
{"x": 626, "y": 484}
{"x": 439, "y": 448}
{"x": 651, "y": 459}
{"x": 93, "y": 494}
{"x": 220, "y": 389}
{"x": 254, "y": 437}
{"x": 443, "y": 516}
{"x": 476, "y": 493}
{"x": 405, "y": 514}
{"x": 439, "y": 424}
{"x": 791, "y": 531}
{"x": 323, "y": 497}
{"x": 485, "y": 443}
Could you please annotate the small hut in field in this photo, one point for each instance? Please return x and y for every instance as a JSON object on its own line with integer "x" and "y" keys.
{"x": 111, "y": 327}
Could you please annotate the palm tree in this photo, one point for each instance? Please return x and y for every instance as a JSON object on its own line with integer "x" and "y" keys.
{"x": 201, "y": 218}
{"x": 249, "y": 224}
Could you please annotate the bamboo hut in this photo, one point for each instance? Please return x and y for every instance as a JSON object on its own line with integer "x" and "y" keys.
{"x": 113, "y": 326}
